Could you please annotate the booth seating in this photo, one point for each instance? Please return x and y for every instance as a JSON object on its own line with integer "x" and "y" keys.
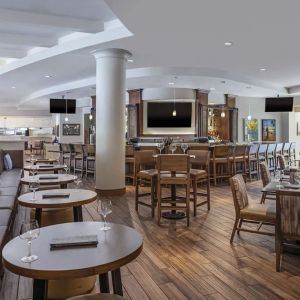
{"x": 10, "y": 188}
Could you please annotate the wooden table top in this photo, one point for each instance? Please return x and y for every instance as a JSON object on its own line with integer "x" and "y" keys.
{"x": 116, "y": 247}
{"x": 274, "y": 186}
{"x": 43, "y": 160}
{"x": 46, "y": 167}
{"x": 77, "y": 197}
{"x": 57, "y": 179}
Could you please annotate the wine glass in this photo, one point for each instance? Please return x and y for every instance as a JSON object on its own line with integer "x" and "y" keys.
{"x": 66, "y": 168}
{"x": 77, "y": 181}
{"x": 160, "y": 147}
{"x": 277, "y": 176}
{"x": 184, "y": 147}
{"x": 34, "y": 185}
{"x": 104, "y": 208}
{"x": 33, "y": 170}
{"x": 29, "y": 232}
{"x": 172, "y": 148}
{"x": 32, "y": 159}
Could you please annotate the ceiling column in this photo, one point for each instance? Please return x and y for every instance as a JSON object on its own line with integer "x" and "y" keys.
{"x": 110, "y": 124}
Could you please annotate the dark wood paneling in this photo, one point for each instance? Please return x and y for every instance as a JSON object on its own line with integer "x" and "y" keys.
{"x": 135, "y": 113}
{"x": 201, "y": 112}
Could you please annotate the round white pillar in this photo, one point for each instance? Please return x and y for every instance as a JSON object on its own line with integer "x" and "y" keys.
{"x": 110, "y": 121}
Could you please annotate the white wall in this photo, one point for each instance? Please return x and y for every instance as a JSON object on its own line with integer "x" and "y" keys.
{"x": 257, "y": 110}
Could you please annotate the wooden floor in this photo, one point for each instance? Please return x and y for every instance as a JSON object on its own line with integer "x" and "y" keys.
{"x": 191, "y": 263}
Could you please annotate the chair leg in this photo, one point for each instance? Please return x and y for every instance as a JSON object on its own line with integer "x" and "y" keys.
{"x": 215, "y": 174}
{"x": 188, "y": 204}
{"x": 152, "y": 198}
{"x": 263, "y": 198}
{"x": 82, "y": 164}
{"x": 240, "y": 225}
{"x": 158, "y": 203}
{"x": 195, "y": 196}
{"x": 208, "y": 194}
{"x": 136, "y": 194}
{"x": 234, "y": 229}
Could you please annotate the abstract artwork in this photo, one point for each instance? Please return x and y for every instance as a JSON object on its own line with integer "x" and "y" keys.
{"x": 268, "y": 130}
{"x": 250, "y": 130}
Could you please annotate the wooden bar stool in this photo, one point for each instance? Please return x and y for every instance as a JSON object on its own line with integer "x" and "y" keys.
{"x": 292, "y": 151}
{"x": 129, "y": 163}
{"x": 271, "y": 158}
{"x": 262, "y": 155}
{"x": 285, "y": 151}
{"x": 239, "y": 158}
{"x": 252, "y": 161}
{"x": 173, "y": 170}
{"x": 90, "y": 159}
{"x": 278, "y": 151}
{"x": 200, "y": 173}
{"x": 78, "y": 157}
{"x": 145, "y": 173}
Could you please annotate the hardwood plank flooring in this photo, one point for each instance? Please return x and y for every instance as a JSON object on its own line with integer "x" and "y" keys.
{"x": 189, "y": 263}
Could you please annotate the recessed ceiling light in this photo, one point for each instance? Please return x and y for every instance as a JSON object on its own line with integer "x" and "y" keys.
{"x": 13, "y": 87}
{"x": 263, "y": 69}
{"x": 130, "y": 60}
{"x": 212, "y": 89}
{"x": 223, "y": 81}
{"x": 47, "y": 76}
{"x": 228, "y": 43}
{"x": 248, "y": 87}
{"x": 171, "y": 83}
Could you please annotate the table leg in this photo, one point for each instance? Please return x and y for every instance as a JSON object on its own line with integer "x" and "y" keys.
{"x": 63, "y": 186}
{"x": 38, "y": 216}
{"x": 117, "y": 282}
{"x": 40, "y": 289}
{"x": 104, "y": 283}
{"x": 77, "y": 212}
{"x": 174, "y": 215}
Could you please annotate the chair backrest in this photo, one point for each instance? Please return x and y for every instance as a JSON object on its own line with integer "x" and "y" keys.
{"x": 239, "y": 192}
{"x": 265, "y": 173}
{"x": 173, "y": 162}
{"x": 201, "y": 160}
{"x": 288, "y": 214}
{"x": 78, "y": 149}
{"x": 279, "y": 147}
{"x": 222, "y": 151}
{"x": 271, "y": 149}
{"x": 240, "y": 150}
{"x": 129, "y": 150}
{"x": 144, "y": 160}
{"x": 253, "y": 149}
{"x": 198, "y": 146}
{"x": 262, "y": 149}
{"x": 281, "y": 161}
{"x": 89, "y": 149}
{"x": 286, "y": 147}
{"x": 65, "y": 148}
{"x": 292, "y": 148}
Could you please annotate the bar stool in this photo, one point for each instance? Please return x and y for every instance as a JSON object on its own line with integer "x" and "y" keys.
{"x": 278, "y": 152}
{"x": 285, "y": 151}
{"x": 262, "y": 155}
{"x": 200, "y": 173}
{"x": 145, "y": 173}
{"x": 129, "y": 163}
{"x": 173, "y": 170}
{"x": 78, "y": 157}
{"x": 66, "y": 154}
{"x": 221, "y": 161}
{"x": 239, "y": 157}
{"x": 271, "y": 158}
{"x": 90, "y": 159}
{"x": 252, "y": 161}
{"x": 292, "y": 151}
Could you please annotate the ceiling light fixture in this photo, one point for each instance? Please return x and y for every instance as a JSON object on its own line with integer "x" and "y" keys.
{"x": 13, "y": 87}
{"x": 171, "y": 83}
{"x": 47, "y": 76}
{"x": 223, "y": 114}
{"x": 130, "y": 60}
{"x": 91, "y": 117}
{"x": 228, "y": 43}
{"x": 174, "y": 113}
{"x": 212, "y": 89}
{"x": 248, "y": 87}
{"x": 249, "y": 117}
{"x": 262, "y": 69}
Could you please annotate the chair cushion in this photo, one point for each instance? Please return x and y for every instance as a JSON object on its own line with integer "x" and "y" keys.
{"x": 198, "y": 173}
{"x": 8, "y": 162}
{"x": 5, "y": 215}
{"x": 129, "y": 159}
{"x": 7, "y": 202}
{"x": 260, "y": 212}
{"x": 220, "y": 160}
{"x": 90, "y": 157}
{"x": 97, "y": 297}
{"x": 147, "y": 173}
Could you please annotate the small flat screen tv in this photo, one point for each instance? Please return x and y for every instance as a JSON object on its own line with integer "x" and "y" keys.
{"x": 59, "y": 106}
{"x": 160, "y": 115}
{"x": 279, "y": 104}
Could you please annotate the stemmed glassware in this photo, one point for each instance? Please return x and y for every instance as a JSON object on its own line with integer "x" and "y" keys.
{"x": 32, "y": 159}
{"x": 29, "y": 232}
{"x": 77, "y": 181}
{"x": 160, "y": 147}
{"x": 172, "y": 148}
{"x": 66, "y": 168}
{"x": 184, "y": 147}
{"x": 34, "y": 185}
{"x": 104, "y": 208}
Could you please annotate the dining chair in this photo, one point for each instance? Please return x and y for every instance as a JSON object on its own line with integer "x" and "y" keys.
{"x": 287, "y": 221}
{"x": 266, "y": 179}
{"x": 200, "y": 174}
{"x": 90, "y": 164}
{"x": 221, "y": 162}
{"x": 97, "y": 296}
{"x": 246, "y": 211}
{"x": 78, "y": 157}
{"x": 252, "y": 161}
{"x": 145, "y": 173}
{"x": 173, "y": 169}
{"x": 129, "y": 162}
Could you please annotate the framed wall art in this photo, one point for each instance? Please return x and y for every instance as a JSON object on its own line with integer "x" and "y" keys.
{"x": 250, "y": 130}
{"x": 71, "y": 129}
{"x": 268, "y": 130}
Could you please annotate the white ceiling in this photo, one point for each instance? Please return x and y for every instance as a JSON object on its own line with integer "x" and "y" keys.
{"x": 167, "y": 38}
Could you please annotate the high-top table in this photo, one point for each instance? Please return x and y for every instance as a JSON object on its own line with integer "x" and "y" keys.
{"x": 45, "y": 168}
{"x": 77, "y": 198}
{"x": 116, "y": 248}
{"x": 57, "y": 179}
{"x": 42, "y": 161}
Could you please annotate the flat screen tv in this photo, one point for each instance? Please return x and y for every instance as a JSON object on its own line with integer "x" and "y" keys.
{"x": 160, "y": 114}
{"x": 59, "y": 106}
{"x": 279, "y": 104}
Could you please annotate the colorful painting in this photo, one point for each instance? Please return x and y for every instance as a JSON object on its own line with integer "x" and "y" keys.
{"x": 268, "y": 130}
{"x": 250, "y": 130}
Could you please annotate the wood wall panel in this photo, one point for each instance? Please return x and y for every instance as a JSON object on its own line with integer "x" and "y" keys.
{"x": 201, "y": 112}
{"x": 135, "y": 113}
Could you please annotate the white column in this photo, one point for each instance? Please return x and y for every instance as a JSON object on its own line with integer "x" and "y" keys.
{"x": 110, "y": 120}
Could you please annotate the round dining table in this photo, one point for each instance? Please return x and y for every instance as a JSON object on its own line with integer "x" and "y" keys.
{"x": 116, "y": 248}
{"x": 57, "y": 198}
{"x": 45, "y": 168}
{"x": 50, "y": 179}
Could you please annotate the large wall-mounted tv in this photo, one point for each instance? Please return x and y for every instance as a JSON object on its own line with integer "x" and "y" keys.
{"x": 279, "y": 104}
{"x": 160, "y": 114}
{"x": 59, "y": 106}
